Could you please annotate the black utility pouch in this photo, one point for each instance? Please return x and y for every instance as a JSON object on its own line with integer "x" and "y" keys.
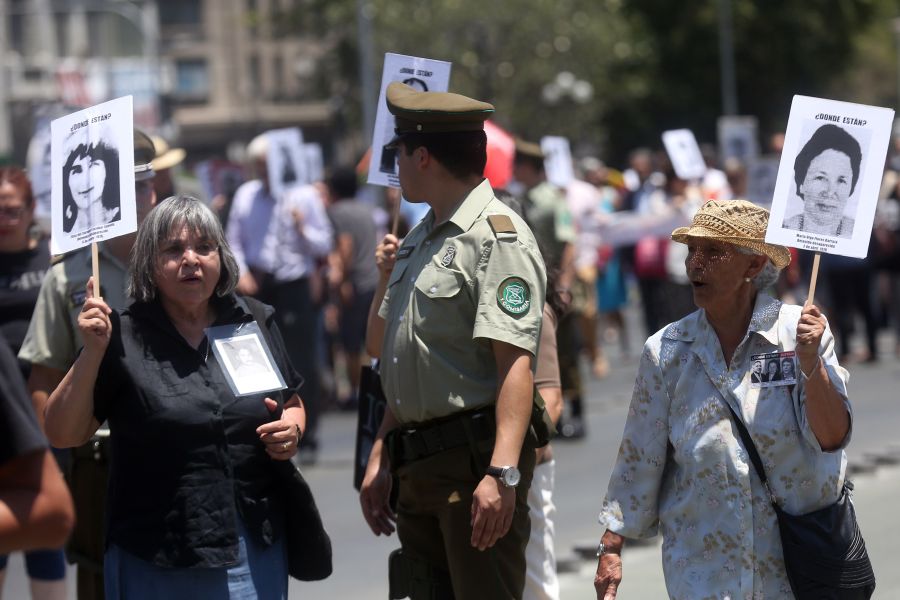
{"x": 398, "y": 575}
{"x": 541, "y": 424}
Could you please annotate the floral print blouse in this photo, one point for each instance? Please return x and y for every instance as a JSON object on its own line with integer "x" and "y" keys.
{"x": 683, "y": 472}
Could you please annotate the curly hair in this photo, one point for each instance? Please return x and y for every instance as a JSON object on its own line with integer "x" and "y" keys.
{"x": 827, "y": 137}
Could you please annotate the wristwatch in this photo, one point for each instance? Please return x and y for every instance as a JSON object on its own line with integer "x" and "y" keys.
{"x": 604, "y": 549}
{"x": 509, "y": 476}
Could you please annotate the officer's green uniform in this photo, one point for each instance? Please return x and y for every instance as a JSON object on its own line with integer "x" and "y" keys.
{"x": 455, "y": 287}
{"x": 53, "y": 340}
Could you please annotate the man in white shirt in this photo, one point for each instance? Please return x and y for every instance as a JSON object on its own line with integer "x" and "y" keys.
{"x": 278, "y": 243}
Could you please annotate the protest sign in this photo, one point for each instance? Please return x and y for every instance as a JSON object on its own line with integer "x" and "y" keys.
{"x": 762, "y": 172}
{"x": 829, "y": 177}
{"x": 423, "y": 74}
{"x": 557, "y": 160}
{"x": 315, "y": 164}
{"x": 683, "y": 151}
{"x": 285, "y": 160}
{"x": 737, "y": 139}
{"x": 92, "y": 175}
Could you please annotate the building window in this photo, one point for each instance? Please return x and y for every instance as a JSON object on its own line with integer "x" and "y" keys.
{"x": 191, "y": 79}
{"x": 180, "y": 12}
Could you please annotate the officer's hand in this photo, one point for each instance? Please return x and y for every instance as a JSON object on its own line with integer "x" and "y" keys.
{"x": 810, "y": 330}
{"x": 375, "y": 494}
{"x": 386, "y": 254}
{"x": 280, "y": 437}
{"x": 493, "y": 505}
{"x": 608, "y": 577}
{"x": 93, "y": 322}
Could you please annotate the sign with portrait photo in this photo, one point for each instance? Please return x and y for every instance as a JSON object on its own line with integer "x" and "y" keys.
{"x": 245, "y": 358}
{"x": 315, "y": 163}
{"x": 683, "y": 151}
{"x": 423, "y": 74}
{"x": 92, "y": 175}
{"x": 762, "y": 172}
{"x": 285, "y": 160}
{"x": 829, "y": 177}
{"x": 737, "y": 138}
{"x": 557, "y": 160}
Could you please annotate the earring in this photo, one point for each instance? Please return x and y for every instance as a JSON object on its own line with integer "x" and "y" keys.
{"x": 747, "y": 279}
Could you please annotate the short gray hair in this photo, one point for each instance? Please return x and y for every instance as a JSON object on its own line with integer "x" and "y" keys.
{"x": 769, "y": 274}
{"x": 166, "y": 218}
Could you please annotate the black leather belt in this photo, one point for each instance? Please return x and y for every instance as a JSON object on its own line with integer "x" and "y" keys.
{"x": 431, "y": 437}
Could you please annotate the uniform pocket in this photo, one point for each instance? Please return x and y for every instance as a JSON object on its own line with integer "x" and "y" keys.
{"x": 439, "y": 283}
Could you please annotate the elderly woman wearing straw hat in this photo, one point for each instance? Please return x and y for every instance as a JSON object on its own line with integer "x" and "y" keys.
{"x": 682, "y": 470}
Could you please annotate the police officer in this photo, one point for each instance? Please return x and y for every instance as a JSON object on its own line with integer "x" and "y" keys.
{"x": 456, "y": 322}
{"x": 51, "y": 345}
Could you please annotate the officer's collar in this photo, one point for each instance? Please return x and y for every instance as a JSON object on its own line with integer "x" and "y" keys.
{"x": 472, "y": 207}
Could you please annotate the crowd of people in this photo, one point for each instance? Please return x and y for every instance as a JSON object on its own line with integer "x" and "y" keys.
{"x": 487, "y": 296}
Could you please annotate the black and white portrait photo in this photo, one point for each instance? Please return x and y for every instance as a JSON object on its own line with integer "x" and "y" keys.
{"x": 285, "y": 160}
{"x": 244, "y": 358}
{"x": 826, "y": 171}
{"x": 829, "y": 176}
{"x": 422, "y": 74}
{"x": 92, "y": 175}
{"x": 90, "y": 183}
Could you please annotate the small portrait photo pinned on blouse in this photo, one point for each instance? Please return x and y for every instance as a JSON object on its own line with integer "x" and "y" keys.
{"x": 245, "y": 359}
{"x": 829, "y": 176}
{"x": 92, "y": 175}
{"x": 772, "y": 369}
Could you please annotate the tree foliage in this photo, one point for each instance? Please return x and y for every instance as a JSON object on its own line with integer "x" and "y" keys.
{"x": 653, "y": 64}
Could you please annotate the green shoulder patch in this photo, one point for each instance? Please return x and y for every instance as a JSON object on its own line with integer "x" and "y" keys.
{"x": 514, "y": 296}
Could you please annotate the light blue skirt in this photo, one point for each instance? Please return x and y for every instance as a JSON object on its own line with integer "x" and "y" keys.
{"x": 261, "y": 574}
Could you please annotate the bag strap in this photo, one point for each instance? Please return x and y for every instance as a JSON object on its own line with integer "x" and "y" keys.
{"x": 751, "y": 450}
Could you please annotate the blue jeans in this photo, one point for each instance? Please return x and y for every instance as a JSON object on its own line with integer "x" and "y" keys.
{"x": 261, "y": 574}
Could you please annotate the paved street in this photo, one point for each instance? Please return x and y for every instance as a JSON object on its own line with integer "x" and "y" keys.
{"x": 582, "y": 472}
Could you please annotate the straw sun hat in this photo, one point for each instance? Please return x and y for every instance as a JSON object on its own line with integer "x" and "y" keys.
{"x": 735, "y": 222}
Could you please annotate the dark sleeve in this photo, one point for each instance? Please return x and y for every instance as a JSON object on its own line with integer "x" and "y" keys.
{"x": 19, "y": 429}
{"x": 109, "y": 375}
{"x": 292, "y": 379}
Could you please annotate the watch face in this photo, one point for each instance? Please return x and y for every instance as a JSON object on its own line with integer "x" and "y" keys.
{"x": 511, "y": 477}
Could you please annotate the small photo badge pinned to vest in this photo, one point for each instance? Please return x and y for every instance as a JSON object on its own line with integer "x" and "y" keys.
{"x": 514, "y": 296}
{"x": 773, "y": 369}
{"x": 245, "y": 359}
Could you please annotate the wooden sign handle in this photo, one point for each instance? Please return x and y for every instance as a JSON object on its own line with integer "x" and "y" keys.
{"x": 812, "y": 280}
{"x": 95, "y": 266}
{"x": 396, "y": 220}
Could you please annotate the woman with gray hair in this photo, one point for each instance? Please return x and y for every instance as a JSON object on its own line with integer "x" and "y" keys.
{"x": 194, "y": 505}
{"x": 682, "y": 470}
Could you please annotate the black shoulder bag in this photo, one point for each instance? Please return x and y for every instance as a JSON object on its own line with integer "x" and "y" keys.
{"x": 824, "y": 553}
{"x": 308, "y": 544}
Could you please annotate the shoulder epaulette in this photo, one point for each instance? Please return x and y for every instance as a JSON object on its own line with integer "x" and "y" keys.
{"x": 501, "y": 224}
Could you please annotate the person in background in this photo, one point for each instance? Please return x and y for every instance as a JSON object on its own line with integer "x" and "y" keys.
{"x": 50, "y": 347}
{"x": 166, "y": 159}
{"x": 278, "y": 243}
{"x": 541, "y": 581}
{"x": 24, "y": 258}
{"x": 547, "y": 212}
{"x": 352, "y": 279}
{"x": 35, "y": 506}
